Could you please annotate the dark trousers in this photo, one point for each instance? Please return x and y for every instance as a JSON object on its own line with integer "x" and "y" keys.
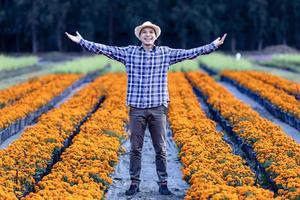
{"x": 156, "y": 119}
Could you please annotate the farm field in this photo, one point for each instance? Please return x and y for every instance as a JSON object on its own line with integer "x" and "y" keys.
{"x": 217, "y": 62}
{"x": 64, "y": 134}
{"x": 149, "y": 100}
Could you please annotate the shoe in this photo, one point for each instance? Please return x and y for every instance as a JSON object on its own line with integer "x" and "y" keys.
{"x": 133, "y": 189}
{"x": 164, "y": 190}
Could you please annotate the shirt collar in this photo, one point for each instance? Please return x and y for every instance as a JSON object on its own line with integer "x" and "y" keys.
{"x": 142, "y": 48}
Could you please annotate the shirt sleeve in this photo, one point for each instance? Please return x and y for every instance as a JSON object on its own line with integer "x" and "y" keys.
{"x": 177, "y": 55}
{"x": 113, "y": 52}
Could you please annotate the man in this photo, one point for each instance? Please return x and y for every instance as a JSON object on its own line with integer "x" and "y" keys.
{"x": 147, "y": 92}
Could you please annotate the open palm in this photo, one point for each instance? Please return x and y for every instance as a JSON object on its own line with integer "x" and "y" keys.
{"x": 76, "y": 38}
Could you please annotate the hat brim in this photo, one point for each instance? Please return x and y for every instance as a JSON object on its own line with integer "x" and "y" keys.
{"x": 138, "y": 29}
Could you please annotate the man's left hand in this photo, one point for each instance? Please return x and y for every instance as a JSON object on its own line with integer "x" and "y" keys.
{"x": 220, "y": 41}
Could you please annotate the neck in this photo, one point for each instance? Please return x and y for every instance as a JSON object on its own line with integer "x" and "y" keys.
{"x": 148, "y": 47}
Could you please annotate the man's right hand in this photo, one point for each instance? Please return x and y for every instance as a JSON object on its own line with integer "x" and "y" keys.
{"x": 220, "y": 41}
{"x": 76, "y": 38}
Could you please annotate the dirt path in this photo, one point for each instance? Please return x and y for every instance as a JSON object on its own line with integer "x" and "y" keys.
{"x": 291, "y": 131}
{"x": 148, "y": 186}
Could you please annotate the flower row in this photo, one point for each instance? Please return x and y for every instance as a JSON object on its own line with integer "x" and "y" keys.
{"x": 275, "y": 151}
{"x": 208, "y": 162}
{"x": 32, "y": 102}
{"x": 28, "y": 158}
{"x": 14, "y": 93}
{"x": 83, "y": 172}
{"x": 288, "y": 86}
{"x": 277, "y": 97}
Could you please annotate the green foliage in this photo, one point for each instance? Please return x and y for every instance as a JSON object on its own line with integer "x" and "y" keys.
{"x": 267, "y": 163}
{"x": 8, "y": 62}
{"x": 293, "y": 58}
{"x": 50, "y": 140}
{"x": 188, "y": 65}
{"x": 113, "y": 134}
{"x": 116, "y": 66}
{"x": 40, "y": 25}
{"x": 219, "y": 61}
{"x": 82, "y": 65}
{"x": 96, "y": 178}
{"x": 284, "y": 61}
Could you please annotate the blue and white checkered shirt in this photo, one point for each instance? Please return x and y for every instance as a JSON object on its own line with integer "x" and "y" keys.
{"x": 147, "y": 82}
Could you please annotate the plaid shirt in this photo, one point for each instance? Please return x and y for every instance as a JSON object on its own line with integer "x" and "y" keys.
{"x": 147, "y": 83}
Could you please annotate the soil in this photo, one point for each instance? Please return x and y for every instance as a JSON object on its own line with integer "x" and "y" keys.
{"x": 148, "y": 185}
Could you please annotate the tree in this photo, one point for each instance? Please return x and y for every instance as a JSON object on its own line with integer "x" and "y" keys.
{"x": 258, "y": 15}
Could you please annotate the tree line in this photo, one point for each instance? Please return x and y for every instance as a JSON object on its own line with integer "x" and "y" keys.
{"x": 39, "y": 25}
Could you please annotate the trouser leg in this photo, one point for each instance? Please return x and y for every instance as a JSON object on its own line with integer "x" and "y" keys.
{"x": 137, "y": 126}
{"x": 157, "y": 127}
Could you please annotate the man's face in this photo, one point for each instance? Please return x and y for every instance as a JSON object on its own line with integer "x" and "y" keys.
{"x": 147, "y": 36}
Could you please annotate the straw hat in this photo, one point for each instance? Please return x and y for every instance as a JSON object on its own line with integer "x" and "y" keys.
{"x": 138, "y": 29}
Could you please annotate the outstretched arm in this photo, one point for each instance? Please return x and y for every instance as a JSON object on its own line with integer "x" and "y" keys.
{"x": 177, "y": 55}
{"x": 116, "y": 53}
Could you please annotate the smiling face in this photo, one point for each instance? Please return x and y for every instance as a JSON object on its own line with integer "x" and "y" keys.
{"x": 148, "y": 36}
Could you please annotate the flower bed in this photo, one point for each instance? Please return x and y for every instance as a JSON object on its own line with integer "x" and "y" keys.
{"x": 16, "y": 116}
{"x": 278, "y": 102}
{"x": 84, "y": 169}
{"x": 288, "y": 86}
{"x": 14, "y": 93}
{"x": 274, "y": 150}
{"x": 209, "y": 165}
{"x": 29, "y": 158}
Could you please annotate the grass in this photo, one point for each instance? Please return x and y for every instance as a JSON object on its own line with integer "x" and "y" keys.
{"x": 82, "y": 65}
{"x": 187, "y": 65}
{"x": 8, "y": 62}
{"x": 292, "y": 58}
{"x": 116, "y": 66}
{"x": 284, "y": 61}
{"x": 219, "y": 61}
